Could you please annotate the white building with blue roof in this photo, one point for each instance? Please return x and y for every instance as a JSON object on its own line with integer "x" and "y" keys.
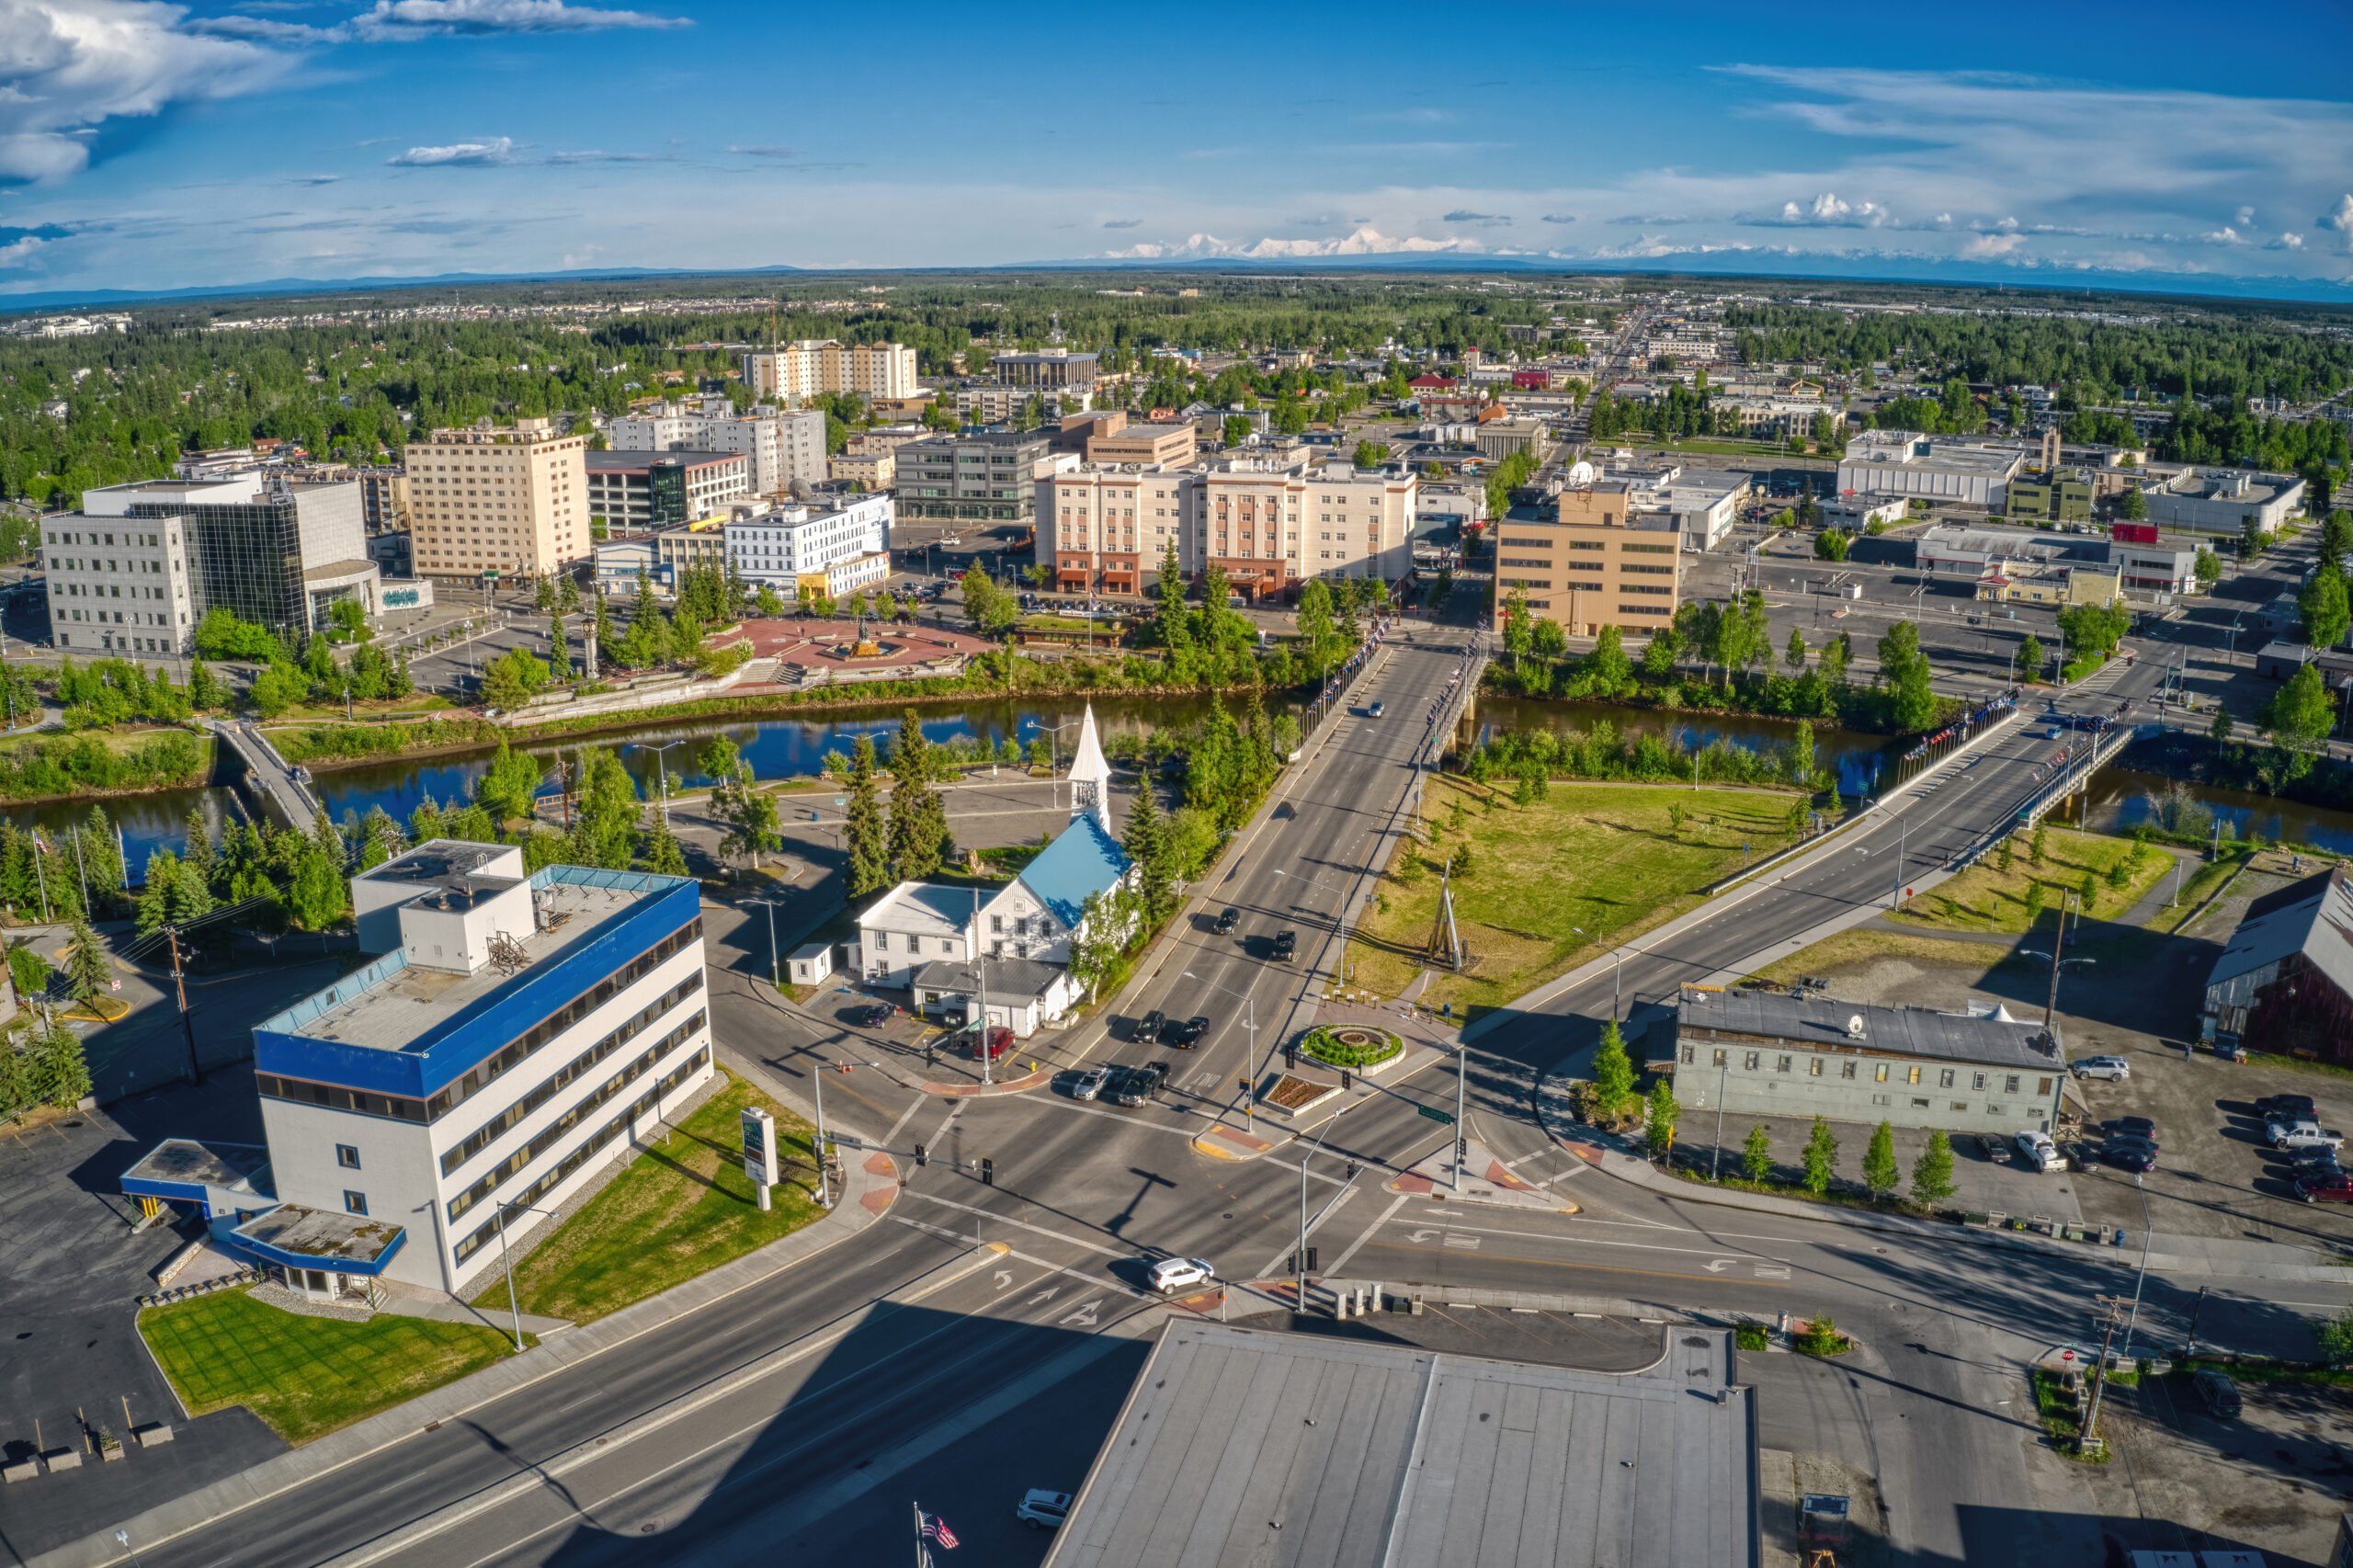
{"x": 1035, "y": 918}
{"x": 517, "y": 1033}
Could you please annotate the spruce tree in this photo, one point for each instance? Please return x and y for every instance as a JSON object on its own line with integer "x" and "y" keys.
{"x": 199, "y": 855}
{"x": 1146, "y": 842}
{"x": 919, "y": 822}
{"x": 865, "y": 835}
{"x": 1879, "y": 1172}
{"x": 662, "y": 853}
{"x": 89, "y": 973}
{"x": 1932, "y": 1172}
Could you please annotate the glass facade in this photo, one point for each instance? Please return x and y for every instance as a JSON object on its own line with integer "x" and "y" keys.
{"x": 246, "y": 558}
{"x": 666, "y": 494}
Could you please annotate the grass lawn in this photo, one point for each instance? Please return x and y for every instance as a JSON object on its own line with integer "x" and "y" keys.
{"x": 2202, "y": 883}
{"x": 1857, "y": 946}
{"x": 682, "y": 1208}
{"x": 378, "y": 708}
{"x": 304, "y": 1376}
{"x": 1986, "y": 898}
{"x": 1603, "y": 857}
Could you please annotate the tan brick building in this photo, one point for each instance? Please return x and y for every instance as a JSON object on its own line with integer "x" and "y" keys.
{"x": 1153, "y": 444}
{"x": 488, "y": 498}
{"x": 801, "y": 369}
{"x": 1593, "y": 563}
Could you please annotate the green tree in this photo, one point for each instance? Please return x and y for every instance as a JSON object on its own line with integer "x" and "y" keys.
{"x": 220, "y": 635}
{"x": 1932, "y": 1172}
{"x": 1607, "y": 665}
{"x": 1879, "y": 1172}
{"x": 2335, "y": 1337}
{"x": 60, "y": 1071}
{"x": 509, "y": 788}
{"x": 2029, "y": 659}
{"x": 1371, "y": 454}
{"x": 204, "y": 689}
{"x": 1831, "y": 545}
{"x": 605, "y": 818}
{"x": 1756, "y": 1154}
{"x": 662, "y": 852}
{"x": 1794, "y": 655}
{"x": 2008, "y": 852}
{"x": 2035, "y": 847}
{"x": 1821, "y": 1157}
{"x": 2133, "y": 506}
{"x": 1659, "y": 1114}
{"x": 1145, "y": 837}
{"x": 89, "y": 972}
{"x": 1803, "y": 763}
{"x": 2209, "y": 567}
{"x": 2219, "y": 732}
{"x": 510, "y": 680}
{"x": 919, "y": 839}
{"x": 2034, "y": 902}
{"x": 1519, "y": 630}
{"x": 865, "y": 835}
{"x": 1907, "y": 672}
{"x": 1613, "y": 1075}
{"x": 2298, "y": 717}
{"x": 2322, "y": 608}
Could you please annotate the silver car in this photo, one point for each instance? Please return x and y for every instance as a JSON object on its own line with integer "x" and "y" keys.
{"x": 2115, "y": 1069}
{"x": 1090, "y": 1082}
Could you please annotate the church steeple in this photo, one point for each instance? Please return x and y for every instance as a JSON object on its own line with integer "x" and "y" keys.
{"x": 1090, "y": 774}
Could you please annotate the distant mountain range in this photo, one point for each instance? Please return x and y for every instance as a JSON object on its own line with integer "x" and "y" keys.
{"x": 2317, "y": 291}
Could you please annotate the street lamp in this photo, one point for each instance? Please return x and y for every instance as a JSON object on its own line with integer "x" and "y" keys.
{"x": 1053, "y": 777}
{"x": 2142, "y": 1277}
{"x": 661, "y": 776}
{"x": 2051, "y": 1004}
{"x": 769, "y": 905}
{"x": 507, "y": 1262}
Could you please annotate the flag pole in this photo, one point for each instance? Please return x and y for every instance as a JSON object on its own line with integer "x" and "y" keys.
{"x": 920, "y": 1553}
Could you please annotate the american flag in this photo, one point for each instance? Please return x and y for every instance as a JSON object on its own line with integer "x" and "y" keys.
{"x": 936, "y": 1529}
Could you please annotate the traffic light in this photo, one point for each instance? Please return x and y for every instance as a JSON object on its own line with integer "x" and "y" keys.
{"x": 988, "y": 1173}
{"x": 1241, "y": 1083}
{"x": 1347, "y": 1079}
{"x": 923, "y": 1156}
{"x": 1463, "y": 1148}
{"x": 1352, "y": 1170}
{"x": 1290, "y": 1056}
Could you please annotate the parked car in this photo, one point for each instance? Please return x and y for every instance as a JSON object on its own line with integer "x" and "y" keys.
{"x": 1993, "y": 1148}
{"x": 1375, "y": 711}
{"x": 2115, "y": 1069}
{"x": 2297, "y": 1108}
{"x": 874, "y": 1016}
{"x": 1187, "y": 1035}
{"x": 1041, "y": 1509}
{"x": 2139, "y": 1126}
{"x": 1090, "y": 1082}
{"x": 1286, "y": 944}
{"x": 2324, "y": 1186}
{"x": 2303, "y": 1135}
{"x": 1175, "y": 1273}
{"x": 1135, "y": 1085}
{"x": 2039, "y": 1152}
{"x": 1148, "y": 1027}
{"x": 1228, "y": 921}
{"x": 2221, "y": 1394}
{"x": 2129, "y": 1156}
{"x": 1000, "y": 1040}
{"x": 2319, "y": 1157}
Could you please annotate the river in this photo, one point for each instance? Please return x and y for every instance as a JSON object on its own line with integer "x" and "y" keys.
{"x": 776, "y": 748}
{"x": 1858, "y": 759}
{"x": 2122, "y": 799}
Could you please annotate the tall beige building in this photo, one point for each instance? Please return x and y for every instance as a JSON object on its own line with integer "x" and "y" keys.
{"x": 799, "y": 370}
{"x": 512, "y": 500}
{"x": 1594, "y": 562}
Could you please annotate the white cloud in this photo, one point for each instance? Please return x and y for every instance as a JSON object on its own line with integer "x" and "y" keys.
{"x": 68, "y": 66}
{"x": 497, "y": 150}
{"x": 2246, "y": 220}
{"x": 1983, "y": 246}
{"x": 1365, "y": 240}
{"x": 2225, "y": 235}
{"x": 19, "y": 251}
{"x": 2340, "y": 218}
{"x": 2290, "y": 241}
{"x": 392, "y": 20}
{"x": 1826, "y": 211}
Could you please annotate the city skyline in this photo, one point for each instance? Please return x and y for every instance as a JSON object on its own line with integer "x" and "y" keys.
{"x": 152, "y": 147}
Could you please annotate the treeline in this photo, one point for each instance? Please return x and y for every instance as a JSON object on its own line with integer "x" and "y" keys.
{"x": 37, "y": 769}
{"x": 1531, "y": 754}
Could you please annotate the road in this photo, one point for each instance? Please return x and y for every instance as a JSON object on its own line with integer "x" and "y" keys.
{"x": 1005, "y": 1376}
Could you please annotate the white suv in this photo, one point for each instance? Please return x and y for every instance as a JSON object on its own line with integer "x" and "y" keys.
{"x": 1174, "y": 1273}
{"x": 1043, "y": 1510}
{"x": 2113, "y": 1068}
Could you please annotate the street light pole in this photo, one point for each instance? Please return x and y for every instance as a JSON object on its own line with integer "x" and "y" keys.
{"x": 2142, "y": 1277}
{"x": 1461, "y": 1133}
{"x": 769, "y": 905}
{"x": 507, "y": 1262}
{"x": 662, "y": 777}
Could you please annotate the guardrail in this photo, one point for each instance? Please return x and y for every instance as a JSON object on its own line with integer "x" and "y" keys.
{"x": 2075, "y": 775}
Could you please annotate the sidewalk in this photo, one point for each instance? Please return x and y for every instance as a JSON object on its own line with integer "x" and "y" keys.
{"x": 1484, "y": 1179}
{"x": 873, "y": 1183}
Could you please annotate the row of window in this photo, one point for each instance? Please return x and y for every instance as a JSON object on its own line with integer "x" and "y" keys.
{"x": 1850, "y": 1066}
{"x": 563, "y": 1017}
{"x": 488, "y": 1230}
{"x": 481, "y": 1137}
{"x": 547, "y": 1137}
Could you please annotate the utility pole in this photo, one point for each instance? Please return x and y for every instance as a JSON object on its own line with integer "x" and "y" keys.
{"x": 2058, "y": 940}
{"x": 2113, "y": 1309}
{"x": 179, "y": 984}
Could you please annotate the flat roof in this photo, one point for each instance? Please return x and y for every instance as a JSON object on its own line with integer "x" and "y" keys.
{"x": 627, "y": 462}
{"x": 439, "y": 862}
{"x": 321, "y": 1234}
{"x": 1822, "y": 1023}
{"x": 1240, "y": 1444}
{"x": 192, "y": 1162}
{"x": 392, "y": 1005}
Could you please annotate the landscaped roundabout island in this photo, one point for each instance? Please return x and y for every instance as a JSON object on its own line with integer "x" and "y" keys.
{"x": 1354, "y": 1046}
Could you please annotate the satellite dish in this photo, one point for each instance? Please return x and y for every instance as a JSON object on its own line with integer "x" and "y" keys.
{"x": 1854, "y": 1026}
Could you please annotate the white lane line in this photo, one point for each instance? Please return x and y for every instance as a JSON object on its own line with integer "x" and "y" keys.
{"x": 1453, "y": 1224}
{"x": 1021, "y": 1224}
{"x": 905, "y": 1116}
{"x": 1395, "y": 1203}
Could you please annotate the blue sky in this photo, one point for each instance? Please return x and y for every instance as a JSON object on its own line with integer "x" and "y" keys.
{"x": 146, "y": 145}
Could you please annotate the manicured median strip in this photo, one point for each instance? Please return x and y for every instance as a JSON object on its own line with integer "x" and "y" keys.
{"x": 307, "y": 1376}
{"x": 682, "y": 1208}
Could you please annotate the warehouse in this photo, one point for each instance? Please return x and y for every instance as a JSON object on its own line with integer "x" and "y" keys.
{"x": 1768, "y": 1053}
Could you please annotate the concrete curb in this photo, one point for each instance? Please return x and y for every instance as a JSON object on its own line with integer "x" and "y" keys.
{"x": 870, "y": 1179}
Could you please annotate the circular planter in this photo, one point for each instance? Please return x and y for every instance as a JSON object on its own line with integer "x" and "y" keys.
{"x": 1351, "y": 1046}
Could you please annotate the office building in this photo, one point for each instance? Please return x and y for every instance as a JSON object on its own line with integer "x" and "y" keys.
{"x": 136, "y": 569}
{"x": 2221, "y": 500}
{"x": 869, "y": 470}
{"x": 498, "y": 501}
{"x": 782, "y": 546}
{"x": 799, "y": 370}
{"x": 1759, "y": 1053}
{"x": 1941, "y": 468}
{"x": 676, "y": 549}
{"x": 2018, "y": 582}
{"x": 1047, "y": 368}
{"x": 1588, "y": 560}
{"x": 982, "y": 476}
{"x": 383, "y": 499}
{"x": 518, "y": 1032}
{"x": 1001, "y": 403}
{"x": 2049, "y": 495}
{"x": 620, "y": 561}
{"x": 1500, "y": 438}
{"x": 633, "y": 490}
{"x": 1249, "y": 1446}
{"x": 1151, "y": 444}
{"x": 781, "y": 445}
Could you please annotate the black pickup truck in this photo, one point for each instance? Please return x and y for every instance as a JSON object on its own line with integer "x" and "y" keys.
{"x": 1135, "y": 1085}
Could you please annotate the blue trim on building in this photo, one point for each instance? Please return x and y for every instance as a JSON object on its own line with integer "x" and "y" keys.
{"x": 167, "y": 1191}
{"x": 462, "y": 1041}
{"x": 331, "y": 1265}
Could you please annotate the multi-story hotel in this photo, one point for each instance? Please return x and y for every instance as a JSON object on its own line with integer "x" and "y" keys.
{"x": 517, "y": 1033}
{"x": 801, "y": 370}
{"x": 799, "y": 548}
{"x": 491, "y": 500}
{"x": 1270, "y": 523}
{"x": 1591, "y": 561}
{"x": 780, "y": 445}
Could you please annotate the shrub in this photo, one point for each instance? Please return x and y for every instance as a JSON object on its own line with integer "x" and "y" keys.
{"x": 1353, "y": 1046}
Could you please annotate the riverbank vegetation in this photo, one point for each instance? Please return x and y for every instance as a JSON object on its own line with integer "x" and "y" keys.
{"x": 2096, "y": 876}
{"x": 1529, "y": 756}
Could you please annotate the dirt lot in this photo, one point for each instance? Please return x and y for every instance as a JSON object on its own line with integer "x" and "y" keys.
{"x": 2138, "y": 999}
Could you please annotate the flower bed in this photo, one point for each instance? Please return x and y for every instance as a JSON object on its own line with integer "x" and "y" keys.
{"x": 1351, "y": 1045}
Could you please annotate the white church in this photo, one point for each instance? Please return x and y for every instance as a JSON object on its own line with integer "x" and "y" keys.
{"x": 1006, "y": 952}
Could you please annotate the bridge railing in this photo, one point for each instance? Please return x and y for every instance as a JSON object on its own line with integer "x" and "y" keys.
{"x": 2075, "y": 775}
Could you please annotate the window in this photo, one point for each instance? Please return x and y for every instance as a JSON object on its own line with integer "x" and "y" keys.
{"x": 1721, "y": 1058}
{"x": 1847, "y": 1069}
{"x": 1960, "y": 1105}
{"x": 1977, "y": 1080}
{"x": 2011, "y": 1085}
{"x": 882, "y": 941}
{"x": 1782, "y": 1064}
{"x": 1913, "y": 1076}
{"x": 2042, "y": 1086}
{"x": 1815, "y": 1070}
{"x": 355, "y": 1203}
{"x": 1944, "y": 1079}
{"x": 1690, "y": 1053}
{"x": 1883, "y": 1099}
{"x": 1750, "y": 1063}
{"x": 1919, "y": 1102}
{"x": 347, "y": 1157}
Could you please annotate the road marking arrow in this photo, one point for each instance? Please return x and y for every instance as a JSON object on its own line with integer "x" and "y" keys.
{"x": 1421, "y": 1236}
{"x": 1004, "y": 1278}
{"x": 1717, "y": 1265}
{"x": 1083, "y": 1315}
{"x": 1045, "y": 1295}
